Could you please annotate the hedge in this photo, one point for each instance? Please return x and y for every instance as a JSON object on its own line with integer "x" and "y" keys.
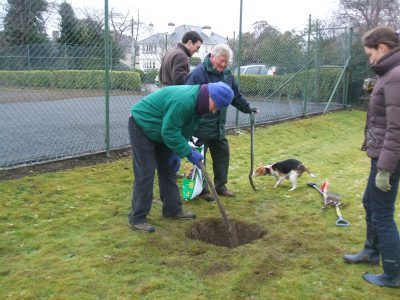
{"x": 126, "y": 80}
{"x": 265, "y": 85}
{"x": 75, "y": 79}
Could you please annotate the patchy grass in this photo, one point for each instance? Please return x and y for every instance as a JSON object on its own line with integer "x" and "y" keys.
{"x": 65, "y": 236}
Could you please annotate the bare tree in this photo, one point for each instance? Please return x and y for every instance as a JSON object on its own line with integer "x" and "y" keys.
{"x": 94, "y": 15}
{"x": 119, "y": 23}
{"x": 137, "y": 29}
{"x": 363, "y": 15}
{"x": 125, "y": 29}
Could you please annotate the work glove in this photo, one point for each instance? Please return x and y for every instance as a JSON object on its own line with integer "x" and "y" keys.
{"x": 382, "y": 180}
{"x": 174, "y": 162}
{"x": 195, "y": 157}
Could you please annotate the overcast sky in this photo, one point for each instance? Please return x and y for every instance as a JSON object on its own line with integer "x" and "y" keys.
{"x": 221, "y": 15}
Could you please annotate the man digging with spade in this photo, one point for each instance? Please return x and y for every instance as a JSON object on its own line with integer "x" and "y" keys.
{"x": 159, "y": 128}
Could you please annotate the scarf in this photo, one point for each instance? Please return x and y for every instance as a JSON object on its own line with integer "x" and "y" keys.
{"x": 202, "y": 105}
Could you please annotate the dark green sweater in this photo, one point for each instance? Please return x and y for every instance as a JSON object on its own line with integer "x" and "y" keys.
{"x": 169, "y": 116}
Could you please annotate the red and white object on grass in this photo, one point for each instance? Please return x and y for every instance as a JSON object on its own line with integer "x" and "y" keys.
{"x": 324, "y": 189}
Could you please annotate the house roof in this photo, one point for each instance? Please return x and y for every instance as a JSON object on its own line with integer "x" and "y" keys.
{"x": 177, "y": 34}
{"x": 125, "y": 40}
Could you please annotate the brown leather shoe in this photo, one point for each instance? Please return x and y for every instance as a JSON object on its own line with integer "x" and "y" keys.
{"x": 207, "y": 196}
{"x": 227, "y": 193}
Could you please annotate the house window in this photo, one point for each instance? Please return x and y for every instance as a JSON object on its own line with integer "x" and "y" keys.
{"x": 149, "y": 48}
{"x": 149, "y": 65}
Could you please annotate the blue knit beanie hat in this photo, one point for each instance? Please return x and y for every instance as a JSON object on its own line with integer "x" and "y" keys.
{"x": 220, "y": 93}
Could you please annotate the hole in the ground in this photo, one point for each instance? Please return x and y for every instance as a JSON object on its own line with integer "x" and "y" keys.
{"x": 213, "y": 231}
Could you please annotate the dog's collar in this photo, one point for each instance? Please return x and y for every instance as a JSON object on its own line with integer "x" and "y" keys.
{"x": 270, "y": 169}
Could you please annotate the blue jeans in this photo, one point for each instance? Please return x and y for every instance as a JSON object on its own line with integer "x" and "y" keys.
{"x": 380, "y": 208}
{"x": 147, "y": 156}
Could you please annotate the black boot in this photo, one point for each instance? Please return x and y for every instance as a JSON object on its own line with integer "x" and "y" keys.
{"x": 391, "y": 269}
{"x": 370, "y": 253}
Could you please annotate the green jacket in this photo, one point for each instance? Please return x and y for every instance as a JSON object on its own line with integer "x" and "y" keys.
{"x": 169, "y": 116}
{"x": 212, "y": 126}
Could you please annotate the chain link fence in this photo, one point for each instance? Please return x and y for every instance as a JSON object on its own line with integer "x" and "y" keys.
{"x": 292, "y": 75}
{"x": 57, "y": 100}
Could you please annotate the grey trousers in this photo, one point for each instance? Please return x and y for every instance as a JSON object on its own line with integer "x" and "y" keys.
{"x": 147, "y": 157}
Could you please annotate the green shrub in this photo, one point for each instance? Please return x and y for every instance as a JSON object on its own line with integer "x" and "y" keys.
{"x": 141, "y": 74}
{"x": 149, "y": 76}
{"x": 281, "y": 86}
{"x": 41, "y": 78}
{"x": 122, "y": 80}
{"x": 71, "y": 79}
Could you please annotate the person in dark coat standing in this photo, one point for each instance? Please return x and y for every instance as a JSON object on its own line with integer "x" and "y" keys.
{"x": 159, "y": 128}
{"x": 211, "y": 130}
{"x": 175, "y": 63}
{"x": 382, "y": 143}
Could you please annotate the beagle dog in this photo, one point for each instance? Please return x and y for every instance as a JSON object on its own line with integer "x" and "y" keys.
{"x": 290, "y": 169}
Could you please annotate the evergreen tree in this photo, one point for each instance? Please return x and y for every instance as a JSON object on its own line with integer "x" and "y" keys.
{"x": 70, "y": 26}
{"x": 82, "y": 40}
{"x": 24, "y": 22}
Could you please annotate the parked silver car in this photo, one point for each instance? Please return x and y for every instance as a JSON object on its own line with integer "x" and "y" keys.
{"x": 256, "y": 70}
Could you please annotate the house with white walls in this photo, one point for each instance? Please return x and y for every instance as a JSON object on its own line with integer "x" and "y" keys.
{"x": 151, "y": 50}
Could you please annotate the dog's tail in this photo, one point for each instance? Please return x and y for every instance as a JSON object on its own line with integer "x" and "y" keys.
{"x": 308, "y": 171}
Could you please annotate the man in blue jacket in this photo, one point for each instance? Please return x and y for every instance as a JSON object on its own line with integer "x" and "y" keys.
{"x": 211, "y": 130}
{"x": 159, "y": 128}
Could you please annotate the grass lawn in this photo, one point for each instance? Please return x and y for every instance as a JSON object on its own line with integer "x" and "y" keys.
{"x": 64, "y": 235}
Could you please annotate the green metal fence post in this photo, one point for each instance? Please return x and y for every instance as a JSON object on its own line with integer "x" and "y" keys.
{"x": 29, "y": 57}
{"x": 29, "y": 65}
{"x": 307, "y": 72}
{"x": 66, "y": 56}
{"x": 239, "y": 57}
{"x": 346, "y": 55}
{"x": 317, "y": 64}
{"x": 347, "y": 78}
{"x": 342, "y": 75}
{"x": 107, "y": 79}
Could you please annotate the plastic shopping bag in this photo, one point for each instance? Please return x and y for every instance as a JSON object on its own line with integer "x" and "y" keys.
{"x": 193, "y": 185}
